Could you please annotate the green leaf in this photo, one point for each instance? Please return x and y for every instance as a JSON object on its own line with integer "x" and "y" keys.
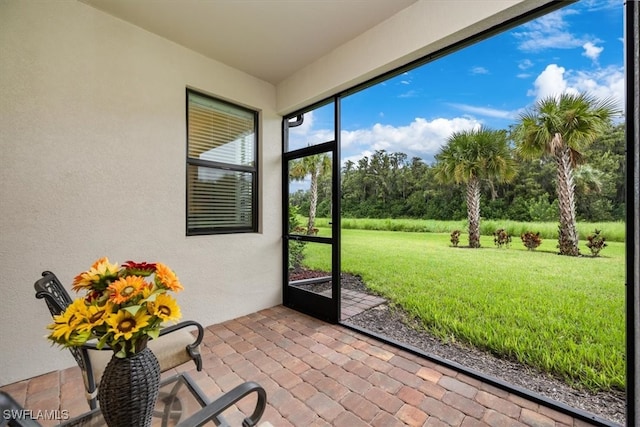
{"x": 102, "y": 341}
{"x": 133, "y": 309}
{"x": 152, "y": 297}
{"x": 153, "y": 333}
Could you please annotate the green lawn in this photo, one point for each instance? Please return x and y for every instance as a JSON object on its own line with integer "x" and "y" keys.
{"x": 561, "y": 314}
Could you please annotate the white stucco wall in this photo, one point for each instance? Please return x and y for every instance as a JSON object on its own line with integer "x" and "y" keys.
{"x": 92, "y": 163}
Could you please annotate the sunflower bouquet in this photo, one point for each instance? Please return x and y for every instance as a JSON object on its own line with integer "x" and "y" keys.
{"x": 122, "y": 307}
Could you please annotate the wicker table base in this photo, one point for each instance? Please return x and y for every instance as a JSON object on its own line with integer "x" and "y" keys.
{"x": 179, "y": 398}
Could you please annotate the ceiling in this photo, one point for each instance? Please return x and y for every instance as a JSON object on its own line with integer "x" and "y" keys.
{"x": 269, "y": 39}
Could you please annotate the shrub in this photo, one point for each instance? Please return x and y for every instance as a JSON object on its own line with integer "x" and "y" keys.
{"x": 455, "y": 238}
{"x": 531, "y": 240}
{"x": 596, "y": 242}
{"x": 501, "y": 238}
{"x": 296, "y": 248}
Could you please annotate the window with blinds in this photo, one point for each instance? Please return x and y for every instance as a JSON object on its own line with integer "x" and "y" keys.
{"x": 221, "y": 166}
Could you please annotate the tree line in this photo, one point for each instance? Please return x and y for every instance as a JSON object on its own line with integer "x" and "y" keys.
{"x": 564, "y": 160}
{"x": 390, "y": 185}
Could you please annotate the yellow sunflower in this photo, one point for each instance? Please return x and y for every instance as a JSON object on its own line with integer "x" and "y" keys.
{"x": 124, "y": 324}
{"x": 165, "y": 307}
{"x": 167, "y": 278}
{"x": 69, "y": 321}
{"x": 101, "y": 270}
{"x": 125, "y": 288}
{"x": 96, "y": 316}
{"x": 147, "y": 290}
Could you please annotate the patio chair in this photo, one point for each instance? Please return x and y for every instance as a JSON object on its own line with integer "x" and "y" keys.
{"x": 175, "y": 345}
{"x": 15, "y": 416}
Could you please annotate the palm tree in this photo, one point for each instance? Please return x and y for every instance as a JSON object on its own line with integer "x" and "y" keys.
{"x": 314, "y": 166}
{"x": 561, "y": 127}
{"x": 469, "y": 157}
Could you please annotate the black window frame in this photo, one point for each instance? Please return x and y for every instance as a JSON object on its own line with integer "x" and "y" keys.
{"x": 225, "y": 168}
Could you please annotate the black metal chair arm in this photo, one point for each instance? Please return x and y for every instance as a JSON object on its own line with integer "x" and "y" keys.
{"x": 14, "y": 414}
{"x": 214, "y": 409}
{"x": 185, "y": 324}
{"x": 53, "y": 304}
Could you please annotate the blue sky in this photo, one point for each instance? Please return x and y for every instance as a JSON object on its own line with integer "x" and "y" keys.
{"x": 577, "y": 48}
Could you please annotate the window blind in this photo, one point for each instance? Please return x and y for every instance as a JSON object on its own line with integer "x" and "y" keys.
{"x": 221, "y": 166}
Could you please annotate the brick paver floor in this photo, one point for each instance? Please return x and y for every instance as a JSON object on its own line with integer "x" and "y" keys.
{"x": 317, "y": 374}
{"x": 354, "y": 302}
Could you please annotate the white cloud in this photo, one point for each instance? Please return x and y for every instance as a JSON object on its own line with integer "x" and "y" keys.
{"x": 592, "y": 51}
{"x": 405, "y": 79}
{"x": 525, "y": 64}
{"x": 550, "y": 82}
{"x": 486, "y": 111}
{"x": 305, "y": 134}
{"x": 409, "y": 94}
{"x": 599, "y": 5}
{"x": 421, "y": 138}
{"x": 603, "y": 83}
{"x": 479, "y": 70}
{"x": 548, "y": 31}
